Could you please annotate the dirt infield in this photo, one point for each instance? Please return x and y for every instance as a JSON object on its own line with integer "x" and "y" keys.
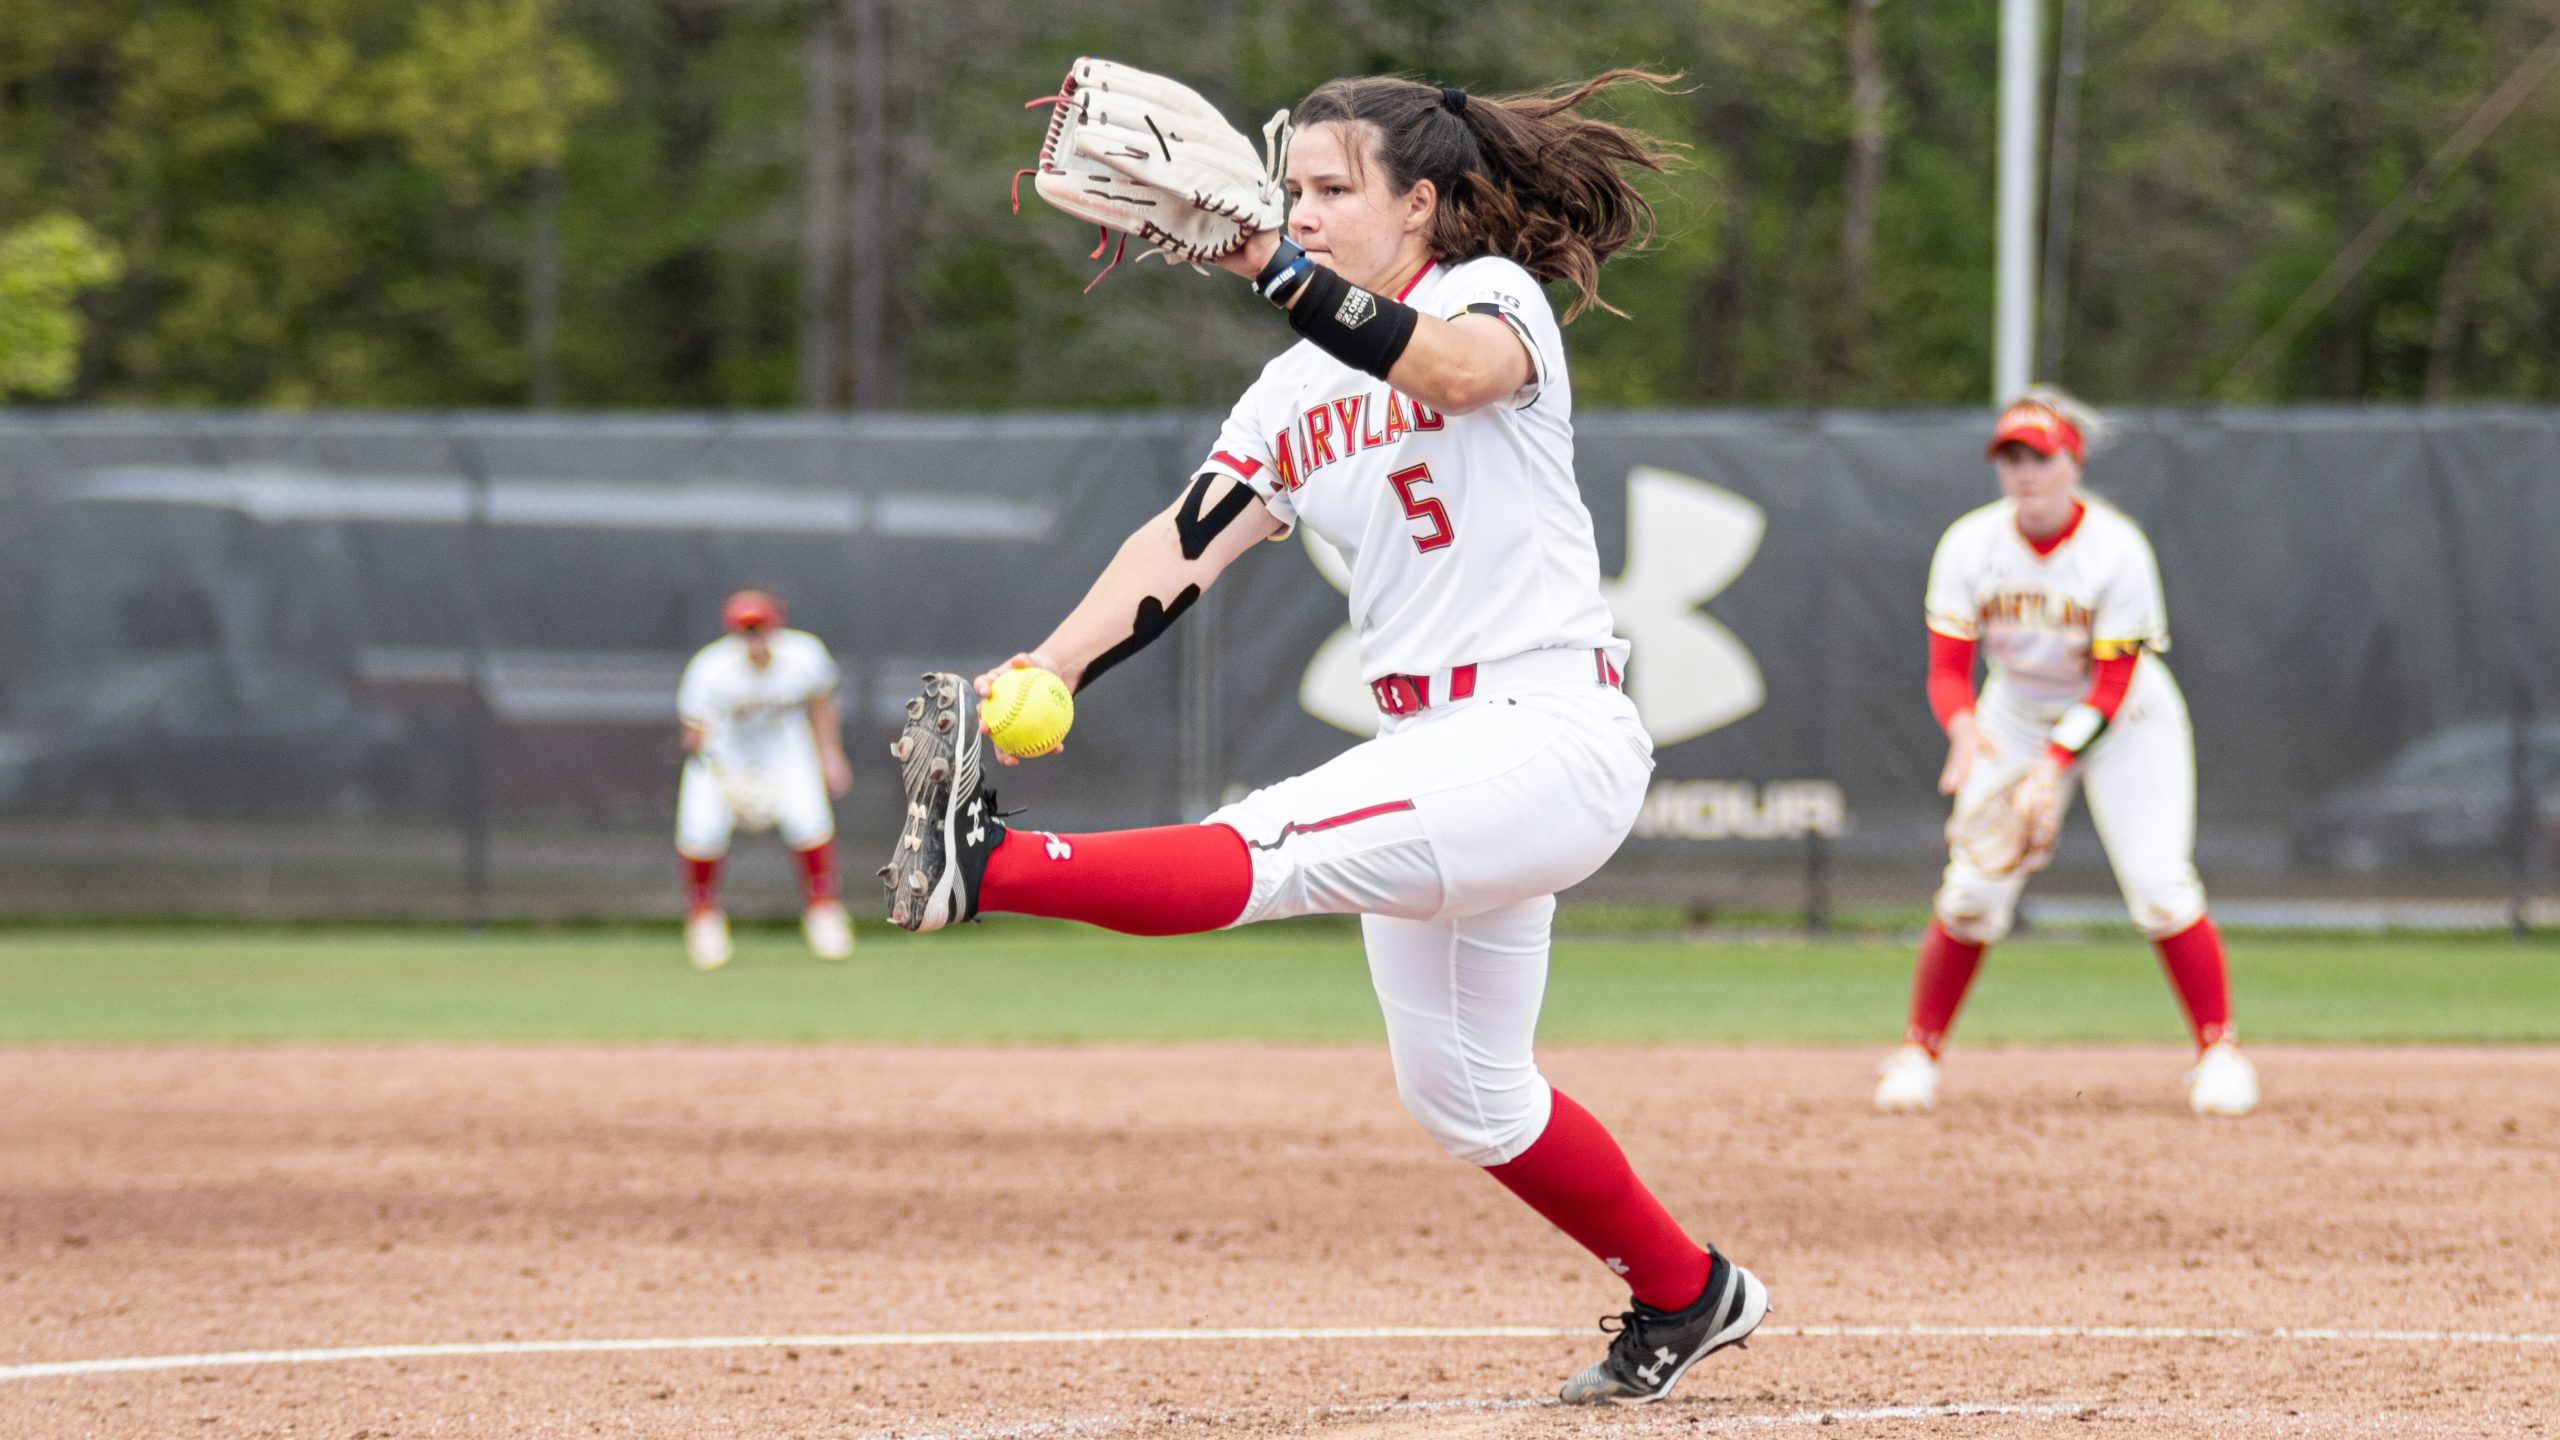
{"x": 192, "y": 1202}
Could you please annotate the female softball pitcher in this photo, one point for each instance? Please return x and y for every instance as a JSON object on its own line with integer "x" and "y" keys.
{"x": 2062, "y": 591}
{"x": 1423, "y": 424}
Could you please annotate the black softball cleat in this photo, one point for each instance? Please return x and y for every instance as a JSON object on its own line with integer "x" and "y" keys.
{"x": 951, "y": 828}
{"x": 1654, "y": 1348}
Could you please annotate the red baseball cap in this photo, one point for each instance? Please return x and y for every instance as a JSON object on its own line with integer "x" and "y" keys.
{"x": 751, "y": 610}
{"x": 2039, "y": 428}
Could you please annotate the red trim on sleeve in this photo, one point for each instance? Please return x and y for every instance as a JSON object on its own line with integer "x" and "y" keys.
{"x": 1950, "y": 677}
{"x": 1244, "y": 467}
{"x": 2113, "y": 677}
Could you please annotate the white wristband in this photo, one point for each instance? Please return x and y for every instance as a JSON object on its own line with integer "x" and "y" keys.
{"x": 2078, "y": 728}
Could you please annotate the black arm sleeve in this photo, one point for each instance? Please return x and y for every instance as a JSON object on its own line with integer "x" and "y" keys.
{"x": 1362, "y": 329}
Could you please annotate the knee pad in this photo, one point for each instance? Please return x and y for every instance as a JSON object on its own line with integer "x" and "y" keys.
{"x": 1977, "y": 909}
{"x": 2166, "y": 903}
{"x": 1480, "y": 1128}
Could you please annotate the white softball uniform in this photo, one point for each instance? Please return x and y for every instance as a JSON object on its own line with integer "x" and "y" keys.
{"x": 1509, "y": 765}
{"x": 757, "y": 726}
{"x": 1467, "y": 537}
{"x": 2039, "y": 619}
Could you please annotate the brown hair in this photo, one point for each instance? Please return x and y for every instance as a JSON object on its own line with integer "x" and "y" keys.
{"x": 1519, "y": 176}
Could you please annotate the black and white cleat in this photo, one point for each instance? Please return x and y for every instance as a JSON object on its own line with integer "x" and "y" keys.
{"x": 951, "y": 826}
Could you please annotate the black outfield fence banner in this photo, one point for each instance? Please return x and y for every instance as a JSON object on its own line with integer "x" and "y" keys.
{"x": 366, "y": 665}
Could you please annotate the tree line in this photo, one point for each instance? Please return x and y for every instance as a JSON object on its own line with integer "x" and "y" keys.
{"x": 779, "y": 203}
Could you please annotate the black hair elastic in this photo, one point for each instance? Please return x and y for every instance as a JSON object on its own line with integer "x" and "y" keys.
{"x": 1454, "y": 98}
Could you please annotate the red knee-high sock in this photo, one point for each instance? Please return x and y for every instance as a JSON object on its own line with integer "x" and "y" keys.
{"x": 1575, "y": 1175}
{"x": 701, "y": 884}
{"x": 2193, "y": 958}
{"x": 1171, "y": 880}
{"x": 817, "y": 872}
{"x": 1938, "y": 984}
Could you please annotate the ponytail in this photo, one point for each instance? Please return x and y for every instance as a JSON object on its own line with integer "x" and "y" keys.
{"x": 1519, "y": 176}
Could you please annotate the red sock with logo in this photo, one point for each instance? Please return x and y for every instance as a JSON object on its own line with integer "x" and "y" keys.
{"x": 1938, "y": 984}
{"x": 1575, "y": 1175}
{"x": 1170, "y": 880}
{"x": 2193, "y": 957}
{"x": 817, "y": 872}
{"x": 701, "y": 884}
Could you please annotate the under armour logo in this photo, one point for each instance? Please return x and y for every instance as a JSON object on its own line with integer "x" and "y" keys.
{"x": 977, "y": 822}
{"x": 1616, "y": 1265}
{"x": 1663, "y": 1355}
{"x": 1059, "y": 849}
{"x": 1686, "y": 541}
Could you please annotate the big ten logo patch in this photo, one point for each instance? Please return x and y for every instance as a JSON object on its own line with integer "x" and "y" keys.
{"x": 1686, "y": 541}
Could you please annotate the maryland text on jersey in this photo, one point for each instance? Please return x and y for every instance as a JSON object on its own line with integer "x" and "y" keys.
{"x": 2037, "y": 610}
{"x": 1356, "y": 422}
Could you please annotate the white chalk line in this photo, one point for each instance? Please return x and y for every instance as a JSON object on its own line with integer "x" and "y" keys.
{"x": 1067, "y": 1429}
{"x": 642, "y": 1345}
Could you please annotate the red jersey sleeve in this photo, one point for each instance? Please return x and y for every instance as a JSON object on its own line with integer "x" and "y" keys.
{"x": 1950, "y": 676}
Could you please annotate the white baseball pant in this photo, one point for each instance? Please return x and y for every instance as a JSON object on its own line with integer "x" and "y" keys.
{"x": 2141, "y": 781}
{"x": 1450, "y": 834}
{"x": 704, "y": 822}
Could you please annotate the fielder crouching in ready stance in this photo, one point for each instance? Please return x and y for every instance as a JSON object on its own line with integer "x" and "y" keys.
{"x": 2062, "y": 593}
{"x": 1423, "y": 424}
{"x": 763, "y": 750}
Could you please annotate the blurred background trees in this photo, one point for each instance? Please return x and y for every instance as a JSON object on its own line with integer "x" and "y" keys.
{"x": 770, "y": 203}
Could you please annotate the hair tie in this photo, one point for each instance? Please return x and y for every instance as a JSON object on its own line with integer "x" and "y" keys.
{"x": 1454, "y": 98}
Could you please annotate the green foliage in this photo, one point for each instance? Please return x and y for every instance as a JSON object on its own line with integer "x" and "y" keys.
{"x": 342, "y": 202}
{"x": 1028, "y": 981}
{"x": 44, "y": 265}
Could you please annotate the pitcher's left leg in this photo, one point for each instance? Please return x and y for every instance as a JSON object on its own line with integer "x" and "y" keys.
{"x": 1461, "y": 999}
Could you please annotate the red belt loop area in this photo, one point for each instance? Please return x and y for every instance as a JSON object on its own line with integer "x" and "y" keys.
{"x": 1400, "y": 695}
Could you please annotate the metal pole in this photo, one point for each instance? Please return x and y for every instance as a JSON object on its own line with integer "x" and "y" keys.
{"x": 2014, "y": 323}
{"x": 2521, "y": 818}
{"x": 472, "y": 785}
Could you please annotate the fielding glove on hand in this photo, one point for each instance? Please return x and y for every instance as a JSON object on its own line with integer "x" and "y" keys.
{"x": 753, "y": 800}
{"x": 2012, "y": 830}
{"x": 1148, "y": 156}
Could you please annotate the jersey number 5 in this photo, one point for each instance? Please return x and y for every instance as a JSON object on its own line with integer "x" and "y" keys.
{"x": 1432, "y": 510}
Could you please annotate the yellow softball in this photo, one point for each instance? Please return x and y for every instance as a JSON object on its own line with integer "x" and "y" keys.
{"x": 1028, "y": 712}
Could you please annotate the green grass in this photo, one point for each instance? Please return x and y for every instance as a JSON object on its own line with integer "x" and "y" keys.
{"x": 1015, "y": 981}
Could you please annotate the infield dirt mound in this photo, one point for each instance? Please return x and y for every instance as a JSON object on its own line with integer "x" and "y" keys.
{"x": 160, "y": 1202}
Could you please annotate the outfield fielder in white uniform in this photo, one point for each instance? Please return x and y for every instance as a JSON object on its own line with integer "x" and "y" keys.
{"x": 764, "y": 748}
{"x": 1424, "y": 426}
{"x": 2061, "y": 592}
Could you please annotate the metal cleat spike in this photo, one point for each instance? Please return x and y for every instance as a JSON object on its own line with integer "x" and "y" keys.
{"x": 915, "y": 708}
{"x": 943, "y": 722}
{"x": 938, "y": 771}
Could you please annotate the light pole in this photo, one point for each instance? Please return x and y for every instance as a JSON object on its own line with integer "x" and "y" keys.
{"x": 2014, "y": 317}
